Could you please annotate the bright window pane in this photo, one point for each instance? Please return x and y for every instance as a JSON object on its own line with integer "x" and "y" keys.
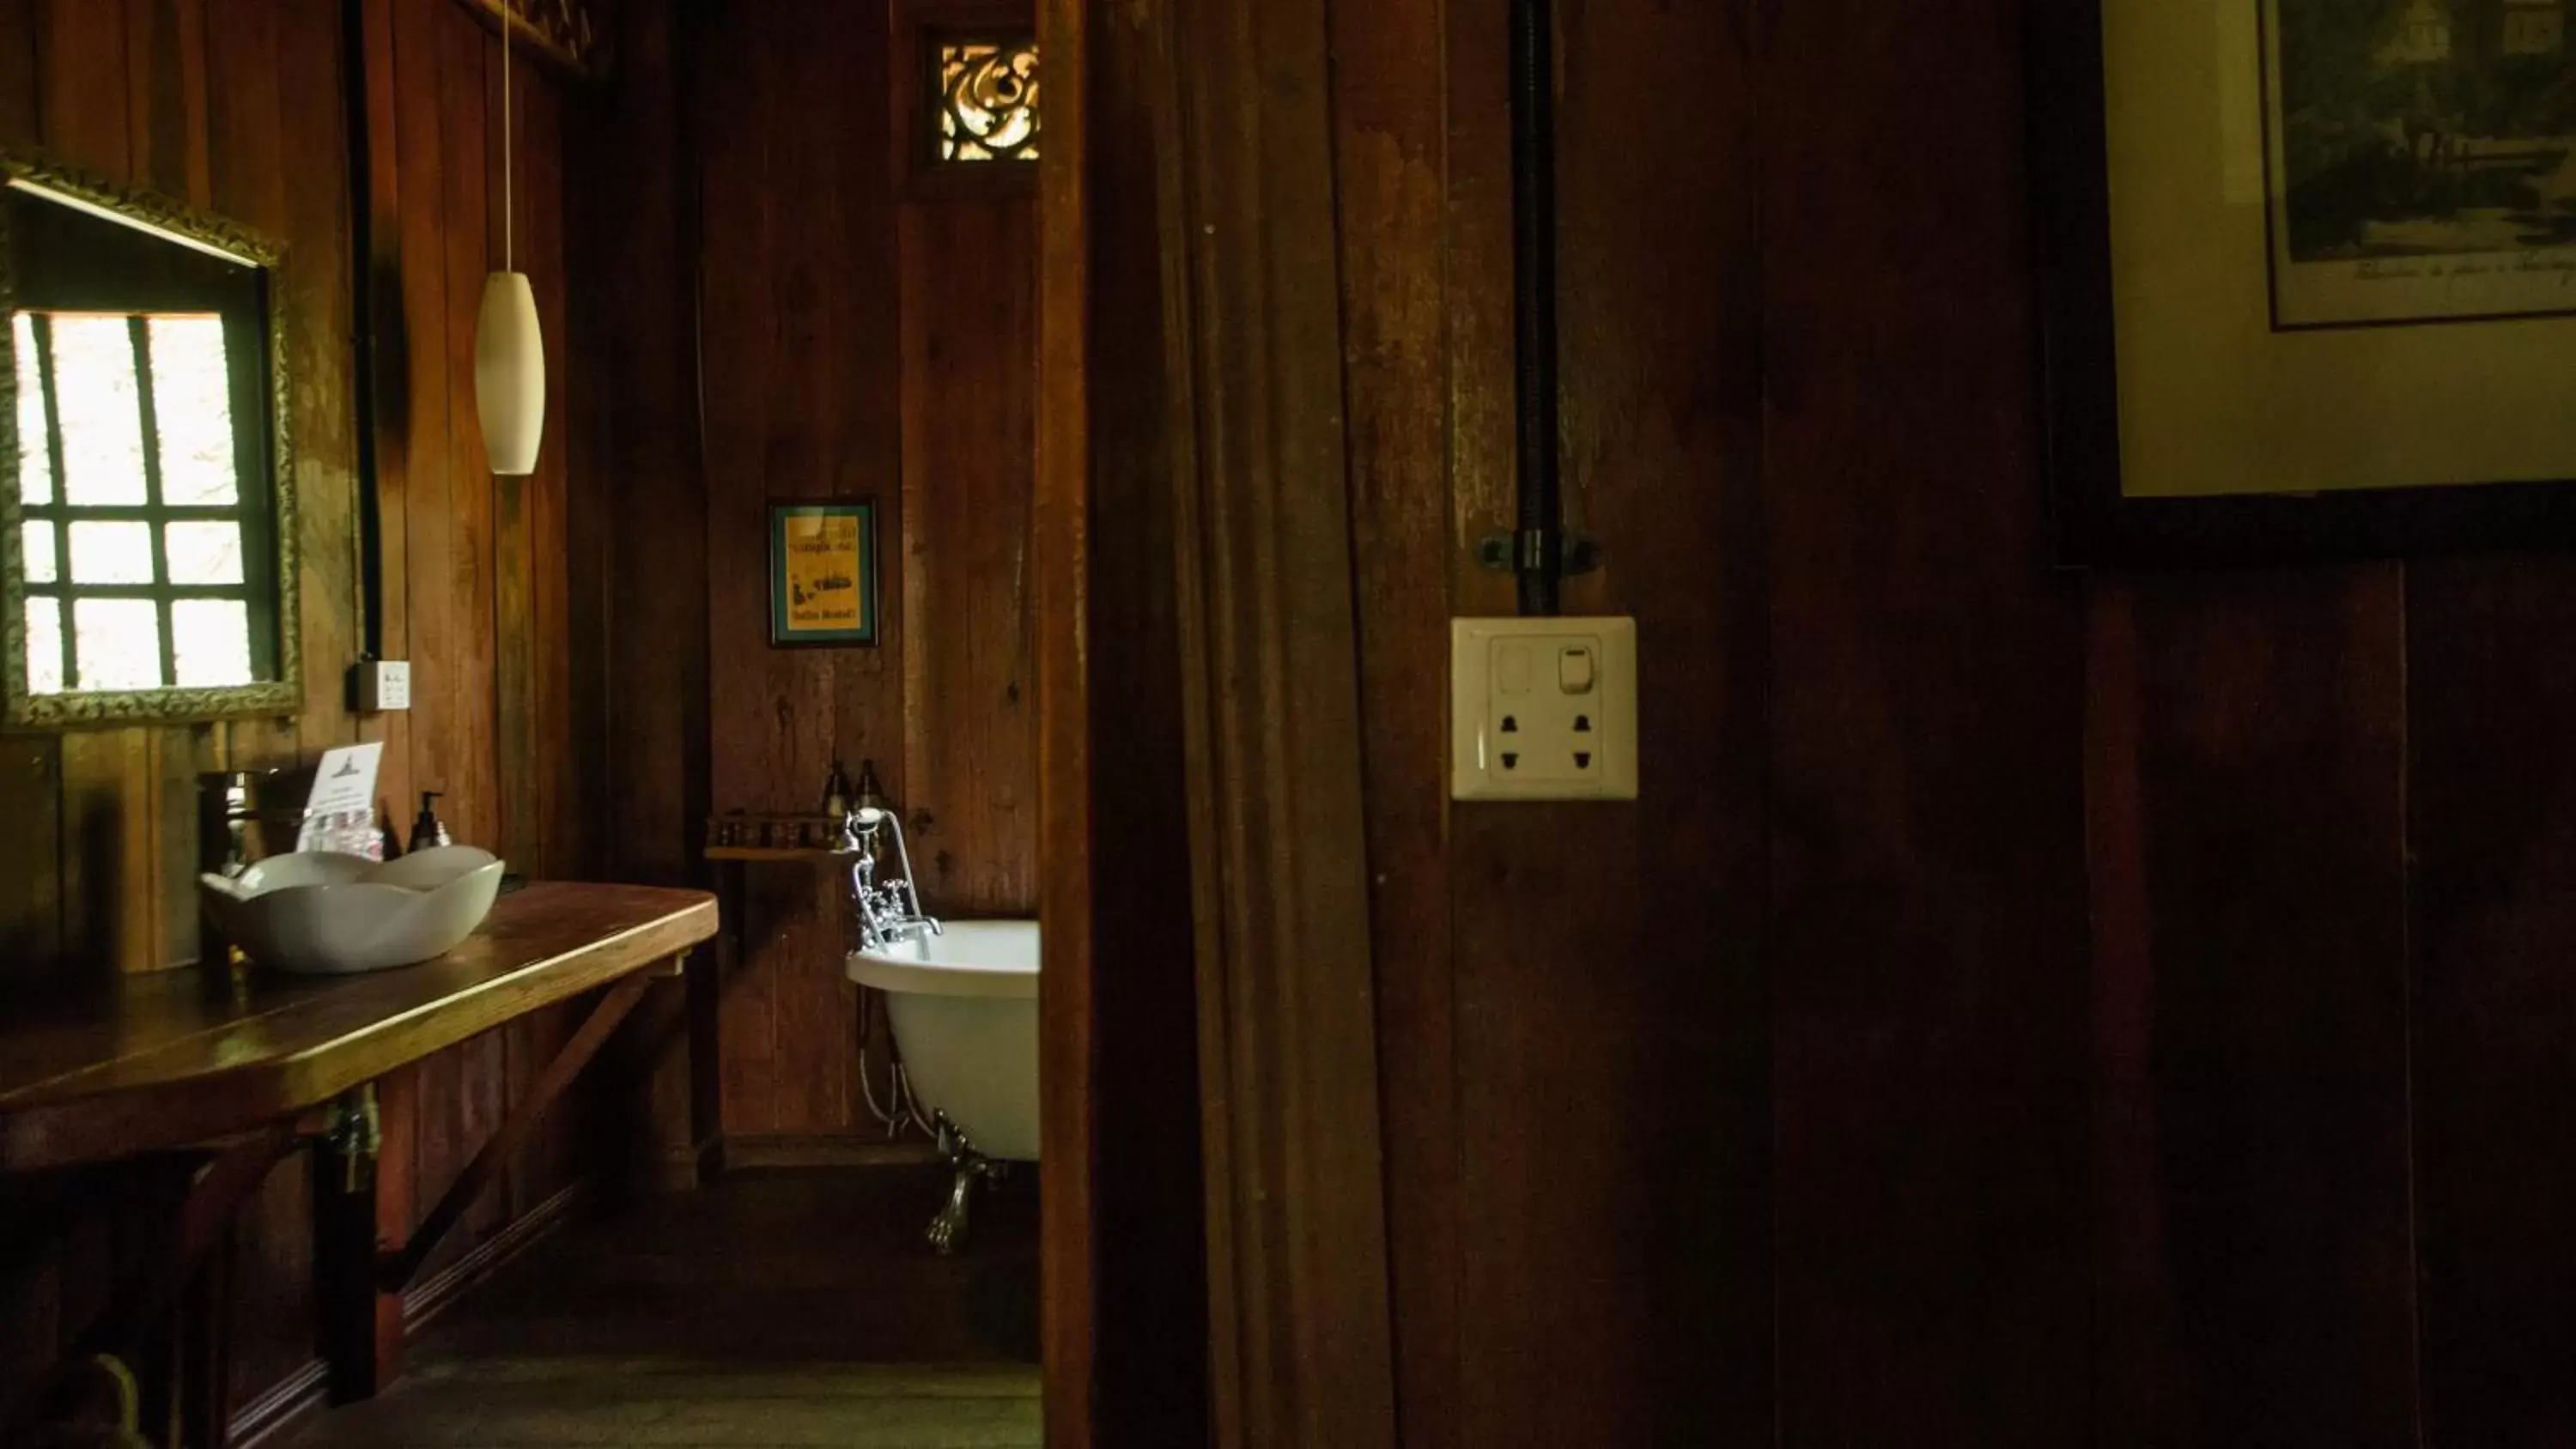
{"x": 193, "y": 408}
{"x": 100, "y": 409}
{"x": 45, "y": 646}
{"x": 213, "y": 641}
{"x": 118, "y": 641}
{"x": 111, "y": 553}
{"x": 39, "y": 539}
{"x": 205, "y": 553}
{"x": 35, "y": 468}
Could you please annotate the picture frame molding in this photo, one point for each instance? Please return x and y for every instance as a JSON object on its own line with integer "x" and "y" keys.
{"x": 2092, "y": 521}
{"x": 871, "y": 575}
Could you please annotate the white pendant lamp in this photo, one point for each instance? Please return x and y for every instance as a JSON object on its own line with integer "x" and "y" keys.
{"x": 509, "y": 343}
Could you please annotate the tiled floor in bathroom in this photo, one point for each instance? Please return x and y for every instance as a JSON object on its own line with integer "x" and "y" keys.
{"x": 771, "y": 1309}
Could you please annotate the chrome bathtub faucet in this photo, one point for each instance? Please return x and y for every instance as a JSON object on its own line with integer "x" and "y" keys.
{"x": 888, "y": 914}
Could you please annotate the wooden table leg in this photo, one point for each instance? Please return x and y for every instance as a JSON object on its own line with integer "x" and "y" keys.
{"x": 705, "y": 987}
{"x": 205, "y": 1354}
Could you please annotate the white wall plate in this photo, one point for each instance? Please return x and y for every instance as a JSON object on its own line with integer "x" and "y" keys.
{"x": 1543, "y": 709}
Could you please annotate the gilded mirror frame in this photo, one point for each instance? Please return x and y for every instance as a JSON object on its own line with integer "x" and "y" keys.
{"x": 174, "y": 221}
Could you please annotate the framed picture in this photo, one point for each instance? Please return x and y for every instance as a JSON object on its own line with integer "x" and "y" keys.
{"x": 823, "y": 573}
{"x": 2308, "y": 276}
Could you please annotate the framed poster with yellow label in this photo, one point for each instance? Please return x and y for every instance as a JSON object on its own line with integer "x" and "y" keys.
{"x": 823, "y": 574}
{"x": 2308, "y": 275}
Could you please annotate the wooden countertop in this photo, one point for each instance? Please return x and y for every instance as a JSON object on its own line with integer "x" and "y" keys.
{"x": 179, "y": 1057}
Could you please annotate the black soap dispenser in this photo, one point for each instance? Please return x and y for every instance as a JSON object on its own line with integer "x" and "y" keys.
{"x": 426, "y": 832}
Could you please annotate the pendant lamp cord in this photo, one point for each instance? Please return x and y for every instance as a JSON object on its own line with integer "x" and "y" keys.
{"x": 509, "y": 216}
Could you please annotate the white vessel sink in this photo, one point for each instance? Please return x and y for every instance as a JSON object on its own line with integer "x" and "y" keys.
{"x": 320, "y": 913}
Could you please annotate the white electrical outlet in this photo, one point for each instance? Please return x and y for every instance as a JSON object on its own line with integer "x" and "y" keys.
{"x": 380, "y": 686}
{"x": 1543, "y": 709}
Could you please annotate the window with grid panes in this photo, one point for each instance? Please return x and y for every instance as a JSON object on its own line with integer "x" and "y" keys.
{"x": 145, "y": 518}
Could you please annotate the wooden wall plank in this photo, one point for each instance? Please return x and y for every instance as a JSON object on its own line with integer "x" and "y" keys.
{"x": 165, "y": 58}
{"x": 635, "y": 327}
{"x": 1081, "y": 49}
{"x": 636, "y": 469}
{"x": 248, "y": 166}
{"x": 2492, "y": 832}
{"x": 88, "y": 119}
{"x": 422, "y": 427}
{"x": 564, "y": 798}
{"x": 1105, "y": 565}
{"x": 1927, "y": 913}
{"x": 391, "y": 288}
{"x": 1270, "y": 640}
{"x": 321, "y": 293}
{"x": 463, "y": 667}
{"x": 462, "y": 661}
{"x": 22, "y": 98}
{"x": 1568, "y": 1086}
{"x": 1392, "y": 134}
{"x": 814, "y": 452}
{"x": 2269, "y": 759}
{"x": 749, "y": 690}
{"x": 970, "y": 757}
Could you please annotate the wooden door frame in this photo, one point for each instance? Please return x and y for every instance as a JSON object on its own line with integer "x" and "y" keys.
{"x": 1125, "y": 1268}
{"x": 1225, "y": 445}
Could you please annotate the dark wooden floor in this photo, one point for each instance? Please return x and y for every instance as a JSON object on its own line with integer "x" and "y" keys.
{"x": 778, "y": 1309}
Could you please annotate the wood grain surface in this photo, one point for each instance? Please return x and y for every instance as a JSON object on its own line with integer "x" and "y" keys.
{"x": 179, "y": 1056}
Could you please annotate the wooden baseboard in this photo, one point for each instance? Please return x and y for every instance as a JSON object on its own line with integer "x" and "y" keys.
{"x": 433, "y": 1295}
{"x": 274, "y": 1414}
{"x": 774, "y": 1152}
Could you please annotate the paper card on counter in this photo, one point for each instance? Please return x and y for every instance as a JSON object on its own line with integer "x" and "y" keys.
{"x": 345, "y": 784}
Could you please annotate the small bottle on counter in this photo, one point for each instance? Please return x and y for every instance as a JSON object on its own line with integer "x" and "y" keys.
{"x": 427, "y": 833}
{"x": 836, "y": 792}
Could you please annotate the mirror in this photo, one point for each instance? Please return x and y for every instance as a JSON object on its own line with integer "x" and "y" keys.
{"x": 147, "y": 536}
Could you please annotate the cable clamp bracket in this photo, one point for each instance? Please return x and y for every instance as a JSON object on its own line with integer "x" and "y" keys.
{"x": 1513, "y": 553}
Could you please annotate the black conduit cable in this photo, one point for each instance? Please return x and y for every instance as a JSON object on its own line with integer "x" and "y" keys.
{"x": 1538, "y": 548}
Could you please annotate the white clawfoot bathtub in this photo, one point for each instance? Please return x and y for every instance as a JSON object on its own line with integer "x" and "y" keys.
{"x": 965, "y": 1013}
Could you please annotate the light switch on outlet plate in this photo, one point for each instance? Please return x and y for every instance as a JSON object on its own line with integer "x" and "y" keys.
{"x": 1543, "y": 709}
{"x": 380, "y": 686}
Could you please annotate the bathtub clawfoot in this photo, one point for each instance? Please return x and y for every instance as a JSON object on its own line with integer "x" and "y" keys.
{"x": 949, "y": 1230}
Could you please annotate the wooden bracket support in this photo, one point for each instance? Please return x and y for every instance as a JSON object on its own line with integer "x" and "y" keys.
{"x": 368, "y": 1262}
{"x": 399, "y": 1268}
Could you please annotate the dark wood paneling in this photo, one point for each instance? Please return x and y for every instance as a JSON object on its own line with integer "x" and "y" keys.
{"x": 634, "y": 333}
{"x": 2258, "y": 1258}
{"x": 1392, "y": 133}
{"x": 1269, "y": 636}
{"x": 753, "y": 694}
{"x": 2491, "y": 690}
{"x": 969, "y": 294}
{"x": 1125, "y": 1221}
{"x": 1530, "y": 1105}
{"x": 1070, "y": 1063}
{"x": 1928, "y": 892}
